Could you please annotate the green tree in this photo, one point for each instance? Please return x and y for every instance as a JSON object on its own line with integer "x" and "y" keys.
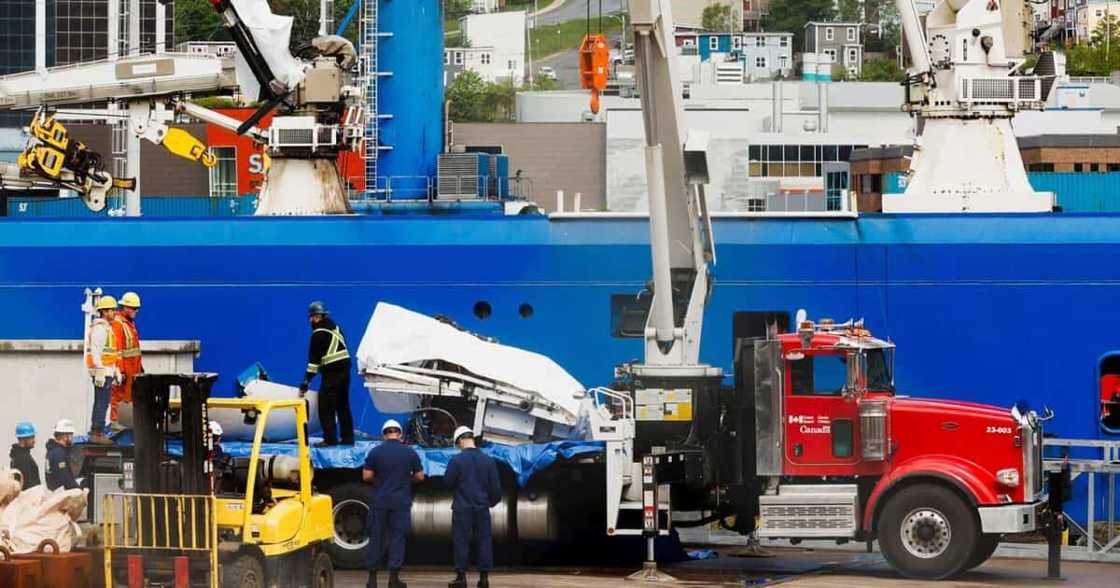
{"x": 882, "y": 69}
{"x": 1107, "y": 32}
{"x": 791, "y": 15}
{"x": 851, "y": 10}
{"x": 456, "y": 8}
{"x": 889, "y": 30}
{"x": 468, "y": 97}
{"x": 196, "y": 20}
{"x": 716, "y": 17}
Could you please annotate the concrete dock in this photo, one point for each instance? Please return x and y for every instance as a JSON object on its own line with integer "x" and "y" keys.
{"x": 792, "y": 567}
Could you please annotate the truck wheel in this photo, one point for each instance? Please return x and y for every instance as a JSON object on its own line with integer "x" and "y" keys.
{"x": 351, "y": 520}
{"x": 245, "y": 571}
{"x": 322, "y": 571}
{"x": 928, "y": 532}
{"x": 984, "y": 549}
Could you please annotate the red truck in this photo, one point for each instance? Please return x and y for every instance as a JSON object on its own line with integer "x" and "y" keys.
{"x": 840, "y": 455}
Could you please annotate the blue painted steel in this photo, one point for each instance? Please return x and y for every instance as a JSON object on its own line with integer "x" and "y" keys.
{"x": 500, "y": 178}
{"x": 411, "y": 91}
{"x": 990, "y": 308}
{"x": 186, "y": 206}
{"x": 354, "y": 8}
{"x": 1081, "y": 192}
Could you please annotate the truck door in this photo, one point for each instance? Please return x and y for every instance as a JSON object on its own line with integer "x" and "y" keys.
{"x": 820, "y": 422}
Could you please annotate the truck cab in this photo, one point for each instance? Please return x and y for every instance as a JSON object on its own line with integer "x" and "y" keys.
{"x": 840, "y": 455}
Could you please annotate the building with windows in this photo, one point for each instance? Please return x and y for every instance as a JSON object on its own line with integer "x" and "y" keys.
{"x": 840, "y": 41}
{"x": 1082, "y": 169}
{"x": 494, "y": 47}
{"x": 75, "y": 31}
{"x": 734, "y": 57}
{"x": 1086, "y": 15}
{"x": 477, "y": 59}
{"x": 754, "y": 11}
{"x": 215, "y": 48}
{"x": 88, "y": 30}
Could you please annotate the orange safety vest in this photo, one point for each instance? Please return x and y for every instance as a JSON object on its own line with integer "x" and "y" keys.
{"x": 125, "y": 331}
{"x": 110, "y": 353}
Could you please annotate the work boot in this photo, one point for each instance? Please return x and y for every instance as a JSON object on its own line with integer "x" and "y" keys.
{"x": 372, "y": 582}
{"x": 98, "y": 438}
{"x": 395, "y": 580}
{"x": 460, "y": 581}
{"x": 484, "y": 580}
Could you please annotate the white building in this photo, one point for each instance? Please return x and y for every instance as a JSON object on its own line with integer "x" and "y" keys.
{"x": 494, "y": 47}
{"x": 484, "y": 6}
{"x": 217, "y": 48}
{"x": 734, "y": 57}
{"x": 773, "y": 145}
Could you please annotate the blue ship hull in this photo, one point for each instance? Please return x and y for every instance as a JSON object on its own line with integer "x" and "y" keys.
{"x": 990, "y": 308}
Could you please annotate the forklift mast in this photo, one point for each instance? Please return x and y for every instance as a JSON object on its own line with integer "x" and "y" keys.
{"x": 153, "y": 418}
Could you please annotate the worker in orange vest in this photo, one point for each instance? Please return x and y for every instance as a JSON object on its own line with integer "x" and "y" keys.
{"x": 130, "y": 364}
{"x": 102, "y": 352}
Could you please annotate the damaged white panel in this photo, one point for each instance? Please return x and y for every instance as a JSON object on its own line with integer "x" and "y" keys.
{"x": 397, "y": 341}
{"x": 272, "y": 34}
{"x": 281, "y": 425}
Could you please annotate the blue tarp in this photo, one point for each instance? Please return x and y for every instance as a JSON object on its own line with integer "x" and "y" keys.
{"x": 524, "y": 460}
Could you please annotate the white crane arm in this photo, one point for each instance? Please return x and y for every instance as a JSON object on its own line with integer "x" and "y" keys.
{"x": 676, "y": 171}
{"x": 123, "y": 79}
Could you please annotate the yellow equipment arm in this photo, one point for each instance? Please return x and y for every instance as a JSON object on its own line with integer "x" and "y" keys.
{"x": 185, "y": 145}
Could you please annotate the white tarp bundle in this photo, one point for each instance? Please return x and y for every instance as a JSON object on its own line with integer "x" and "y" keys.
{"x": 38, "y": 514}
{"x": 272, "y": 34}
{"x": 9, "y": 486}
{"x": 397, "y": 336}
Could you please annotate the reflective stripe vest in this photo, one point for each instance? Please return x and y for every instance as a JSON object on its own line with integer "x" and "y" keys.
{"x": 125, "y": 332}
{"x": 336, "y": 351}
{"x": 110, "y": 352}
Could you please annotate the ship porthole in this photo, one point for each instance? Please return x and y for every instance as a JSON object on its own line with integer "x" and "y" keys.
{"x": 525, "y": 310}
{"x": 482, "y": 309}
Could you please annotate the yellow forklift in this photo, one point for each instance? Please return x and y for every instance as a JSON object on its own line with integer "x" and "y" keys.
{"x": 197, "y": 519}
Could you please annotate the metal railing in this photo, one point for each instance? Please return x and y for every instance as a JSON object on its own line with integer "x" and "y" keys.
{"x": 160, "y": 522}
{"x": 1091, "y": 80}
{"x": 477, "y": 187}
{"x": 1105, "y": 462}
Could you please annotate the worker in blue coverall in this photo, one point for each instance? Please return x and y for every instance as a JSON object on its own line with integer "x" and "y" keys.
{"x": 59, "y": 472}
{"x": 473, "y": 476}
{"x": 391, "y": 468}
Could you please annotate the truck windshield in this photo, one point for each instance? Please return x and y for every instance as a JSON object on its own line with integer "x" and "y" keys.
{"x": 880, "y": 370}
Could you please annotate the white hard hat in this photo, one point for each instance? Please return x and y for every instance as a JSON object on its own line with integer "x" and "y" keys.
{"x": 390, "y": 424}
{"x": 215, "y": 429}
{"x": 463, "y": 430}
{"x": 64, "y": 426}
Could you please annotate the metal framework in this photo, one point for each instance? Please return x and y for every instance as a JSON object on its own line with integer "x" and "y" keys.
{"x": 1106, "y": 463}
{"x": 161, "y": 523}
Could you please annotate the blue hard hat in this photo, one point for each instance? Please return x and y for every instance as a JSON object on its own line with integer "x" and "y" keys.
{"x": 25, "y": 429}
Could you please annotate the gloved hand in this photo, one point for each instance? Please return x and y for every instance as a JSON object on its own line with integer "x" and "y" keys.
{"x": 99, "y": 377}
{"x": 303, "y": 388}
